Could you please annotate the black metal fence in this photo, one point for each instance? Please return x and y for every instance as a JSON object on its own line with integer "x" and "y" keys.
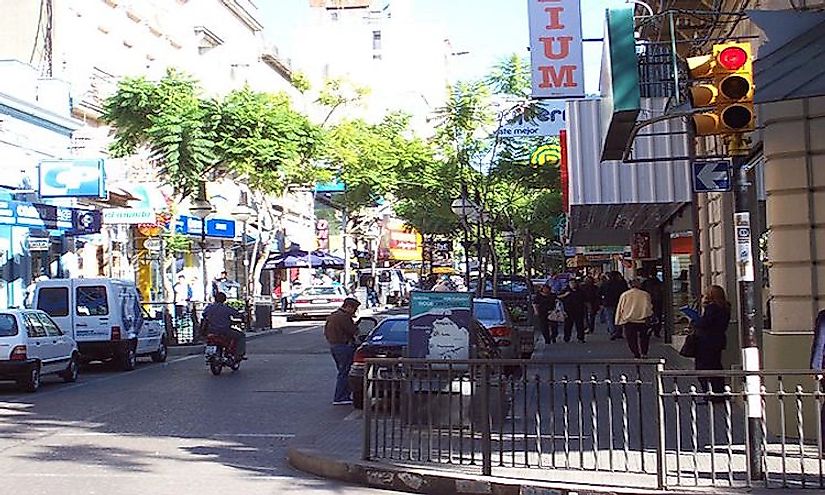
{"x": 627, "y": 422}
{"x": 180, "y": 322}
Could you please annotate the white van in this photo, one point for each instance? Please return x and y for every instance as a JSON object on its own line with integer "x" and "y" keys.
{"x": 104, "y": 316}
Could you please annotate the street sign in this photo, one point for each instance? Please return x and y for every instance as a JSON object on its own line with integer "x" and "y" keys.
{"x": 744, "y": 250}
{"x": 38, "y": 243}
{"x": 152, "y": 244}
{"x": 712, "y": 176}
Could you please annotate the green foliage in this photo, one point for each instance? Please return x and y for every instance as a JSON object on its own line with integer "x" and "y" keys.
{"x": 169, "y": 118}
{"x": 249, "y": 135}
{"x": 261, "y": 138}
{"x": 339, "y": 92}
{"x": 510, "y": 76}
{"x": 176, "y": 243}
{"x": 461, "y": 121}
{"x": 301, "y": 81}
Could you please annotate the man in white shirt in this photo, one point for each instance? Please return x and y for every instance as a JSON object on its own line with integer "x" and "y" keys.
{"x": 633, "y": 312}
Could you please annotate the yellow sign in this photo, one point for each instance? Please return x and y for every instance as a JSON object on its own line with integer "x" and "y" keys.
{"x": 549, "y": 154}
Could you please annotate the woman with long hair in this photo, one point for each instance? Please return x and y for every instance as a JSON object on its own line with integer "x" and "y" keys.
{"x": 711, "y": 340}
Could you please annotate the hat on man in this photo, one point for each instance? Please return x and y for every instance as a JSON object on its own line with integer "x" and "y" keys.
{"x": 351, "y": 301}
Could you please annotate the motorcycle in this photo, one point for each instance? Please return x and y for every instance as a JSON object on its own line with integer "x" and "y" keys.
{"x": 220, "y": 352}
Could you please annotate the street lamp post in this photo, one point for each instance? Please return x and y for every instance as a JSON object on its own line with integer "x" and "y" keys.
{"x": 242, "y": 213}
{"x": 465, "y": 209}
{"x": 510, "y": 237}
{"x": 201, "y": 208}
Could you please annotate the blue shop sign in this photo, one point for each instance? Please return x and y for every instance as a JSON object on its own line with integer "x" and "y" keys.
{"x": 221, "y": 228}
{"x": 71, "y": 221}
{"x": 72, "y": 179}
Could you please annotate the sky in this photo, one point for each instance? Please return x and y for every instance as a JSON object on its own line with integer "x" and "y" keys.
{"x": 488, "y": 29}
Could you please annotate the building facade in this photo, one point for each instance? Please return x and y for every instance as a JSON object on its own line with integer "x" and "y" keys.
{"x": 90, "y": 45}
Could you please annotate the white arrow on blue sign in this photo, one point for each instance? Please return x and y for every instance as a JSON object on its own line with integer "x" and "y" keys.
{"x": 712, "y": 176}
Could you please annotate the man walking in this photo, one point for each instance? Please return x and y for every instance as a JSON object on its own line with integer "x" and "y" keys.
{"x": 340, "y": 332}
{"x": 543, "y": 302}
{"x": 632, "y": 313}
{"x": 611, "y": 290}
{"x": 574, "y": 307}
{"x": 653, "y": 286}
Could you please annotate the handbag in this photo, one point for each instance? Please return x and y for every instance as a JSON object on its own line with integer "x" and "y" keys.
{"x": 558, "y": 314}
{"x": 688, "y": 349}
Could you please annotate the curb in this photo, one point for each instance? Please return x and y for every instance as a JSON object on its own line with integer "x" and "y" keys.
{"x": 430, "y": 482}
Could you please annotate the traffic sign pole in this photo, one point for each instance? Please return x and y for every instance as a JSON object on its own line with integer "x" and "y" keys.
{"x": 742, "y": 193}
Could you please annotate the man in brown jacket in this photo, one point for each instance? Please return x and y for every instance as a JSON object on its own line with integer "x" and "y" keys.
{"x": 340, "y": 332}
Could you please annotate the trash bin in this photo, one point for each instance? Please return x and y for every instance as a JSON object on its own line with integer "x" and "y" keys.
{"x": 263, "y": 316}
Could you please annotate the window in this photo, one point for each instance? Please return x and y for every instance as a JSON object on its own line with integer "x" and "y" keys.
{"x": 8, "y": 325}
{"x": 34, "y": 327}
{"x": 487, "y": 312}
{"x": 52, "y": 330}
{"x": 54, "y": 301}
{"x": 92, "y": 301}
{"x": 376, "y": 40}
{"x": 321, "y": 291}
{"x": 392, "y": 331}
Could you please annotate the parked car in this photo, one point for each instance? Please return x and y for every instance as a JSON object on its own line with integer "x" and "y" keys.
{"x": 105, "y": 317}
{"x": 513, "y": 342}
{"x": 33, "y": 345}
{"x": 388, "y": 339}
{"x": 319, "y": 300}
{"x": 514, "y": 290}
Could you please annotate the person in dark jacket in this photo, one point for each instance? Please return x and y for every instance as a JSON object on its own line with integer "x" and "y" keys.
{"x": 544, "y": 302}
{"x": 340, "y": 331}
{"x": 710, "y": 331}
{"x": 610, "y": 292}
{"x": 653, "y": 286}
{"x": 575, "y": 308}
{"x": 592, "y": 301}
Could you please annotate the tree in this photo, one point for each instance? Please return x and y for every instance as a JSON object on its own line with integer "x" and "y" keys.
{"x": 249, "y": 137}
{"x": 171, "y": 120}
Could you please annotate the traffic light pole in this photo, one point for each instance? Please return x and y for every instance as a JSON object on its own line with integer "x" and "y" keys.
{"x": 742, "y": 194}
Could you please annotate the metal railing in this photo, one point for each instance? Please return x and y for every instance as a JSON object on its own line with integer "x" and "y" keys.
{"x": 181, "y": 324}
{"x": 631, "y": 421}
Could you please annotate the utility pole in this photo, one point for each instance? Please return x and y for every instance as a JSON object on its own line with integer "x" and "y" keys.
{"x": 742, "y": 194}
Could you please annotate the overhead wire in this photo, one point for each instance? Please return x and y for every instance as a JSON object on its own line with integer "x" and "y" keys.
{"x": 37, "y": 31}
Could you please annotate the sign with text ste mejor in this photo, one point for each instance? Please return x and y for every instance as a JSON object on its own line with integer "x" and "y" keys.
{"x": 556, "y": 48}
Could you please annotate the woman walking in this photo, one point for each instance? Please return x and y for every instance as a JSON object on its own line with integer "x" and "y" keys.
{"x": 710, "y": 331}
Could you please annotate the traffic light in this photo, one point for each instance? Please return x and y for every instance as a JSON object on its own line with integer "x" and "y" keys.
{"x": 723, "y": 87}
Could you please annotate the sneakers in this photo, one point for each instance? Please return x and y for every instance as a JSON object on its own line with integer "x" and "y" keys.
{"x": 342, "y": 403}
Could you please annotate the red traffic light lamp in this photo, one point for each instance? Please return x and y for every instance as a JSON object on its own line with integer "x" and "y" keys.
{"x": 723, "y": 87}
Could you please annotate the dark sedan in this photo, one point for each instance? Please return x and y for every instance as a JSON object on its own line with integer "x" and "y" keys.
{"x": 389, "y": 340}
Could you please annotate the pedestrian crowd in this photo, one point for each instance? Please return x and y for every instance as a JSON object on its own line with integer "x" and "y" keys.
{"x": 632, "y": 311}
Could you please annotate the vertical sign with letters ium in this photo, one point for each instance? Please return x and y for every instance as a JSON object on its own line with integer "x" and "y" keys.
{"x": 556, "y": 48}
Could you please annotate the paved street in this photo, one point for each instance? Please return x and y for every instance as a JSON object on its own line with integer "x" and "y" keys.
{"x": 175, "y": 428}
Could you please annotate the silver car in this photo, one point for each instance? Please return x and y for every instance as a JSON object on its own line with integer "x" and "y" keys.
{"x": 320, "y": 300}
{"x": 32, "y": 345}
{"x": 493, "y": 314}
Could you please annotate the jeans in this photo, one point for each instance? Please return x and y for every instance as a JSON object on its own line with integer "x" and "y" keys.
{"x": 610, "y": 312}
{"x": 342, "y": 354}
{"x": 638, "y": 338}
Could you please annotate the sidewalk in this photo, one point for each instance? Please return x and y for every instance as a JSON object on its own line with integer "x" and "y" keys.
{"x": 335, "y": 451}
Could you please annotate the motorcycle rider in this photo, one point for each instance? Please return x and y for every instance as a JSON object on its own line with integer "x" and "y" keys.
{"x": 218, "y": 319}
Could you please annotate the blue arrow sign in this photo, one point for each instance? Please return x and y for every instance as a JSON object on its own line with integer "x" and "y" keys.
{"x": 712, "y": 176}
